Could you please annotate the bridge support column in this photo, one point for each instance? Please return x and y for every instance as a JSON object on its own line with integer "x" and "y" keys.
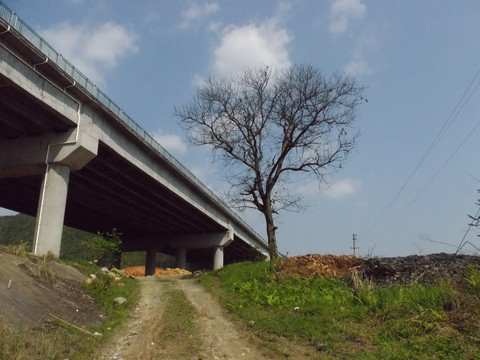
{"x": 51, "y": 210}
{"x": 218, "y": 258}
{"x": 150, "y": 262}
{"x": 217, "y": 241}
{"x": 181, "y": 258}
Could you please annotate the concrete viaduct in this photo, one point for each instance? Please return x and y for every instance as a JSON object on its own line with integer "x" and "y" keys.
{"x": 69, "y": 155}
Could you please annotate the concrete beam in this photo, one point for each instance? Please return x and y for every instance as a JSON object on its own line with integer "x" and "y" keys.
{"x": 202, "y": 241}
{"x": 28, "y": 155}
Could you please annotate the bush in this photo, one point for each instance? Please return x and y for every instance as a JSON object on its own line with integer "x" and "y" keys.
{"x": 106, "y": 248}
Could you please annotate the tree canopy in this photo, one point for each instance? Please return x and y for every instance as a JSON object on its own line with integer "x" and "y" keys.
{"x": 267, "y": 128}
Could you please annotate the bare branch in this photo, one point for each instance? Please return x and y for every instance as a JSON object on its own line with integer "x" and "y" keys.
{"x": 265, "y": 127}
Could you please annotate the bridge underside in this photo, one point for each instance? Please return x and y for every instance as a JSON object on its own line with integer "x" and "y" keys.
{"x": 107, "y": 191}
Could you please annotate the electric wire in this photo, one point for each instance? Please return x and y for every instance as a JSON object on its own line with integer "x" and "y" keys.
{"x": 463, "y": 242}
{"x": 446, "y": 125}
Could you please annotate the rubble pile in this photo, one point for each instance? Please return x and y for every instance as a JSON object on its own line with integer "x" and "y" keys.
{"x": 422, "y": 269}
{"x": 140, "y": 271}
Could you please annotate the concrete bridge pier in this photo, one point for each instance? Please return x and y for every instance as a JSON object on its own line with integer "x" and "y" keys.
{"x": 54, "y": 156}
{"x": 181, "y": 258}
{"x": 217, "y": 241}
{"x": 51, "y": 210}
{"x": 150, "y": 261}
{"x": 218, "y": 258}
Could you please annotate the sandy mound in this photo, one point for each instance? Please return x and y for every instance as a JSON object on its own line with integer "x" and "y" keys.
{"x": 140, "y": 271}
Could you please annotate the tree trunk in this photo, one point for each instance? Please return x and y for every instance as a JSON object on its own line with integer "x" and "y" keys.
{"x": 271, "y": 228}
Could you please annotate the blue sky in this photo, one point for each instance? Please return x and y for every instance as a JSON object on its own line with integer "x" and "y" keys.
{"x": 414, "y": 175}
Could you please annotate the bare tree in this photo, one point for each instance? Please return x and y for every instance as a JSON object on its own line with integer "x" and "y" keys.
{"x": 269, "y": 127}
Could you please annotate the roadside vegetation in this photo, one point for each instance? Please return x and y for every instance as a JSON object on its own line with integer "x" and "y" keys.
{"x": 57, "y": 339}
{"x": 352, "y": 318}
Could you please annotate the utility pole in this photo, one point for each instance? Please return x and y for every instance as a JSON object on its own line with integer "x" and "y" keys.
{"x": 354, "y": 247}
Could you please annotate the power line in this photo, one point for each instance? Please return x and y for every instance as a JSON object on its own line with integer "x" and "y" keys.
{"x": 463, "y": 242}
{"x": 419, "y": 193}
{"x": 446, "y": 125}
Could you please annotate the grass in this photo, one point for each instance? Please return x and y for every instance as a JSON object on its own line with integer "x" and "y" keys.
{"x": 55, "y": 340}
{"x": 179, "y": 328}
{"x": 353, "y": 318}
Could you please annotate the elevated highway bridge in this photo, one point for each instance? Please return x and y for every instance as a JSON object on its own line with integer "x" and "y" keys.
{"x": 69, "y": 155}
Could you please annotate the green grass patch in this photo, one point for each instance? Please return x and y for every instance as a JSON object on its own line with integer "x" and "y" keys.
{"x": 105, "y": 289}
{"x": 355, "y": 319}
{"x": 180, "y": 332}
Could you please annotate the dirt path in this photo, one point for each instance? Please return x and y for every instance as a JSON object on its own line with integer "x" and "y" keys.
{"x": 220, "y": 338}
{"x": 141, "y": 337}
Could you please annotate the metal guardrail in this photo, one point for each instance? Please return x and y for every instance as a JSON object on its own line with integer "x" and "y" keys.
{"x": 31, "y": 35}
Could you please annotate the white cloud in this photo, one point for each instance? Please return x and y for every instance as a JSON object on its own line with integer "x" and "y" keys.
{"x": 342, "y": 12}
{"x": 309, "y": 188}
{"x": 365, "y": 47}
{"x": 93, "y": 50}
{"x": 251, "y": 46}
{"x": 171, "y": 142}
{"x": 338, "y": 190}
{"x": 196, "y": 12}
{"x": 358, "y": 67}
{"x": 342, "y": 188}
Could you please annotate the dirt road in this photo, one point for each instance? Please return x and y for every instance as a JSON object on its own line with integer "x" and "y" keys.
{"x": 142, "y": 338}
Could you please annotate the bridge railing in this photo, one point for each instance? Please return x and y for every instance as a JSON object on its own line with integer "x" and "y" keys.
{"x": 31, "y": 35}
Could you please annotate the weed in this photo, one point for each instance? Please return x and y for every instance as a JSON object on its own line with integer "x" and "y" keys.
{"x": 351, "y": 319}
{"x": 179, "y": 325}
{"x": 19, "y": 249}
{"x": 472, "y": 279}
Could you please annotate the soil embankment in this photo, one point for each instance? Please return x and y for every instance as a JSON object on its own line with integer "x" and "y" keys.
{"x": 32, "y": 288}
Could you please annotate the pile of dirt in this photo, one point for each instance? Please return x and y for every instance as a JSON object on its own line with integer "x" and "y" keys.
{"x": 140, "y": 271}
{"x": 426, "y": 269}
{"x": 315, "y": 265}
{"x": 32, "y": 288}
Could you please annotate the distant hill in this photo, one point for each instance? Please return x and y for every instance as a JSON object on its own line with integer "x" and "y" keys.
{"x": 20, "y": 228}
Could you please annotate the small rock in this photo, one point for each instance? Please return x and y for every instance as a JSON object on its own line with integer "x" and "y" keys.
{"x": 96, "y": 333}
{"x": 88, "y": 281}
{"x": 104, "y": 270}
{"x": 120, "y": 300}
{"x": 118, "y": 271}
{"x": 93, "y": 276}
